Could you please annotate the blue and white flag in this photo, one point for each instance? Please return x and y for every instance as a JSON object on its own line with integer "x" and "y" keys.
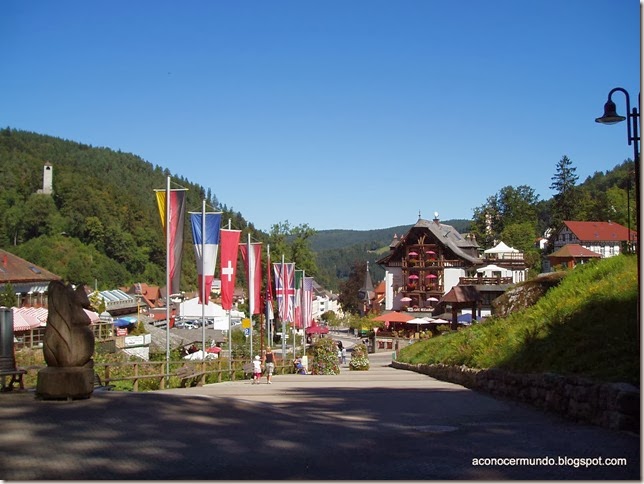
{"x": 205, "y": 249}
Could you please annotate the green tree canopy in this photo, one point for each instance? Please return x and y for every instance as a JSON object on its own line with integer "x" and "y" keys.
{"x": 565, "y": 199}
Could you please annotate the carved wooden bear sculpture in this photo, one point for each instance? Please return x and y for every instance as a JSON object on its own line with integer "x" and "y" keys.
{"x": 69, "y": 340}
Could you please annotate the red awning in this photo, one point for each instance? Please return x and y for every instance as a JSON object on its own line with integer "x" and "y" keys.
{"x": 394, "y": 317}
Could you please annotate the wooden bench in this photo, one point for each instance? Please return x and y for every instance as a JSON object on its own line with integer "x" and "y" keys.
{"x": 16, "y": 377}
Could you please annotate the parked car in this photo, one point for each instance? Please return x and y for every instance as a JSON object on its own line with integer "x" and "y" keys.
{"x": 185, "y": 325}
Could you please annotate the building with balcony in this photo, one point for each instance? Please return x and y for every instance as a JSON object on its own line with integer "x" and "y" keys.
{"x": 425, "y": 263}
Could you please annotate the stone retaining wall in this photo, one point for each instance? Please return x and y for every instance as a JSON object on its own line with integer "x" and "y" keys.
{"x": 612, "y": 405}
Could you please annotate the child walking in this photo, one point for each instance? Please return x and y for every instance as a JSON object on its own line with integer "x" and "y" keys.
{"x": 257, "y": 370}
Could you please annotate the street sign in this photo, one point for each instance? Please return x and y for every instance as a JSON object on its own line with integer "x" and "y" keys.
{"x": 246, "y": 332}
{"x": 245, "y": 323}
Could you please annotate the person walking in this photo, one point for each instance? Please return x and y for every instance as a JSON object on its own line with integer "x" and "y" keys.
{"x": 257, "y": 370}
{"x": 269, "y": 361}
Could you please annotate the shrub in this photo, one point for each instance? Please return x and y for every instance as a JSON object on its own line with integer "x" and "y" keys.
{"x": 325, "y": 357}
{"x": 139, "y": 329}
{"x": 359, "y": 358}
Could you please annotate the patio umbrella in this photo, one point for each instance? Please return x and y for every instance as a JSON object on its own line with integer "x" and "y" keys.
{"x": 406, "y": 299}
{"x": 417, "y": 321}
{"x": 465, "y": 318}
{"x": 430, "y": 276}
{"x": 432, "y": 299}
{"x": 413, "y": 276}
{"x": 413, "y": 253}
{"x": 491, "y": 268}
{"x": 317, "y": 330}
{"x": 440, "y": 321}
{"x": 394, "y": 317}
{"x": 430, "y": 252}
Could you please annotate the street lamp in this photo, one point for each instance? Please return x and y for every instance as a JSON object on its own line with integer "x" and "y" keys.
{"x": 611, "y": 117}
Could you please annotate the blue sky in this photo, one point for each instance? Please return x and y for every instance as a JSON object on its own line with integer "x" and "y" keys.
{"x": 351, "y": 114}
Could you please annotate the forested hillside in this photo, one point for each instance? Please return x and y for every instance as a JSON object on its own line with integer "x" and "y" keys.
{"x": 101, "y": 225}
{"x": 374, "y": 239}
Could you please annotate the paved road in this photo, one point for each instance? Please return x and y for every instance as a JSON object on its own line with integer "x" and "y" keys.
{"x": 380, "y": 424}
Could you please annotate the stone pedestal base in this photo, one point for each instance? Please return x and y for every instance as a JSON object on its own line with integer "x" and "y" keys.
{"x": 56, "y": 383}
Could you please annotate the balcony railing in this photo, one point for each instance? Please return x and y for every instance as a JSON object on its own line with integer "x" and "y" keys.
{"x": 484, "y": 281}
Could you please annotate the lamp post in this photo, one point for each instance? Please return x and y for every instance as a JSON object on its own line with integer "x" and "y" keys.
{"x": 611, "y": 117}
{"x": 632, "y": 115}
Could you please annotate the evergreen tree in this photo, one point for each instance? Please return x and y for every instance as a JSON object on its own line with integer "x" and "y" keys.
{"x": 564, "y": 183}
{"x": 8, "y": 297}
{"x": 348, "y": 297}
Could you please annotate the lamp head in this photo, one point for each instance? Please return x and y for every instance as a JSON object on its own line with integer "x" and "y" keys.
{"x": 610, "y": 114}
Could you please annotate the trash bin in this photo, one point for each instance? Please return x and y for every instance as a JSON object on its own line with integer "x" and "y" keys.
{"x": 7, "y": 355}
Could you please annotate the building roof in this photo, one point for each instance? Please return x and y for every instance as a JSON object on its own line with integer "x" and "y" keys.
{"x": 446, "y": 235}
{"x": 26, "y": 318}
{"x": 599, "y": 231}
{"x": 461, "y": 294}
{"x": 574, "y": 251}
{"x": 23, "y": 275}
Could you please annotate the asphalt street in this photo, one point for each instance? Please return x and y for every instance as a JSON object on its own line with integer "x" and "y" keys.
{"x": 379, "y": 424}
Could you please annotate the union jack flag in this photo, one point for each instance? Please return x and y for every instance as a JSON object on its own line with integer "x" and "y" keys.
{"x": 285, "y": 290}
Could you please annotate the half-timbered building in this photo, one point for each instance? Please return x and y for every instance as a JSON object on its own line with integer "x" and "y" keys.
{"x": 426, "y": 263}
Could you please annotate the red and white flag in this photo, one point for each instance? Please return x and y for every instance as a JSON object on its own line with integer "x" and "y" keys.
{"x": 269, "y": 289}
{"x": 253, "y": 265}
{"x": 299, "y": 276}
{"x": 229, "y": 241}
{"x": 307, "y": 301}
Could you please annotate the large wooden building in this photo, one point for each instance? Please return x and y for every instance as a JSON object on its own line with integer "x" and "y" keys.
{"x": 426, "y": 263}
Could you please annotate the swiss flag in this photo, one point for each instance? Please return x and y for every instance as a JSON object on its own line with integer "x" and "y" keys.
{"x": 229, "y": 241}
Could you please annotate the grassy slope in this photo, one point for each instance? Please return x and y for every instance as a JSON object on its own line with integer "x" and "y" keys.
{"x": 586, "y": 326}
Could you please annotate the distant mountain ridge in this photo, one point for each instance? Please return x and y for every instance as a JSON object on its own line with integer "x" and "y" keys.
{"x": 376, "y": 238}
{"x": 338, "y": 250}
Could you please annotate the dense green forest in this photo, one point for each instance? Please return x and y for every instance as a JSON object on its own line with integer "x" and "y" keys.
{"x": 101, "y": 226}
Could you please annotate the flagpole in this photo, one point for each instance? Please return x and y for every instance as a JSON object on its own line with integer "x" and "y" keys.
{"x": 167, "y": 278}
{"x": 203, "y": 280}
{"x": 285, "y": 306}
{"x": 251, "y": 295}
{"x": 268, "y": 300}
{"x": 230, "y": 339}
{"x": 303, "y": 307}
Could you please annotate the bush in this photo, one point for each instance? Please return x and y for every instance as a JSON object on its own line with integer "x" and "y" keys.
{"x": 359, "y": 358}
{"x": 139, "y": 329}
{"x": 325, "y": 357}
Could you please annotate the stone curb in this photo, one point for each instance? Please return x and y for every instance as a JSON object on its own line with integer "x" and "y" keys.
{"x": 611, "y": 405}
